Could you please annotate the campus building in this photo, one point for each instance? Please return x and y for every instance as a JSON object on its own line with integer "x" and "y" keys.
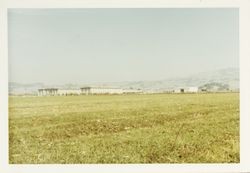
{"x": 100, "y": 90}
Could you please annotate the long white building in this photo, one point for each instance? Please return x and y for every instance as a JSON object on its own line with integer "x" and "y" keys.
{"x": 186, "y": 90}
{"x": 101, "y": 90}
{"x": 132, "y": 91}
{"x": 85, "y": 91}
{"x": 193, "y": 89}
{"x": 47, "y": 91}
{"x": 63, "y": 92}
{"x": 56, "y": 91}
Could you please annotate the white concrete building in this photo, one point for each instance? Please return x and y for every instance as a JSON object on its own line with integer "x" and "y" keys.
{"x": 131, "y": 91}
{"x": 66, "y": 92}
{"x": 56, "y": 91}
{"x": 48, "y": 91}
{"x": 193, "y": 89}
{"x": 179, "y": 90}
{"x": 85, "y": 91}
{"x": 186, "y": 90}
{"x": 101, "y": 90}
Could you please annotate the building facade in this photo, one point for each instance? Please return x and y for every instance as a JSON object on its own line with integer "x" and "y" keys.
{"x": 193, "y": 89}
{"x": 56, "y": 91}
{"x": 132, "y": 91}
{"x": 65, "y": 92}
{"x": 179, "y": 90}
{"x": 186, "y": 90}
{"x": 100, "y": 90}
{"x": 48, "y": 92}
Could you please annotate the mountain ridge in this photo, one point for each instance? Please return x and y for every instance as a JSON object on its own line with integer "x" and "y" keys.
{"x": 225, "y": 76}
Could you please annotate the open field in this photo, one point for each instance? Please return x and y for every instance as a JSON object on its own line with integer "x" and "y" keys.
{"x": 158, "y": 128}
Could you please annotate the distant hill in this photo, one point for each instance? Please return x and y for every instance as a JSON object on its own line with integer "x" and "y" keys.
{"x": 19, "y": 88}
{"x": 32, "y": 88}
{"x": 215, "y": 87}
{"x": 227, "y": 78}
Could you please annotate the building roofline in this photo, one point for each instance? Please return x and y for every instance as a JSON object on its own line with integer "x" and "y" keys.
{"x": 101, "y": 87}
{"x": 48, "y": 89}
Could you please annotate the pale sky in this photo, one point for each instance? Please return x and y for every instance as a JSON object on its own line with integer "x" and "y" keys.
{"x": 57, "y": 46}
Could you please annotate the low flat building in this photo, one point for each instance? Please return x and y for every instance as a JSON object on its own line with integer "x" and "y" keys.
{"x": 179, "y": 90}
{"x": 132, "y": 91}
{"x": 186, "y": 90}
{"x": 192, "y": 89}
{"x": 56, "y": 91}
{"x": 65, "y": 92}
{"x": 101, "y": 90}
{"x": 48, "y": 92}
{"x": 85, "y": 91}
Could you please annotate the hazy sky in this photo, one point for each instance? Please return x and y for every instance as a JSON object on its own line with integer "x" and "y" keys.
{"x": 57, "y": 46}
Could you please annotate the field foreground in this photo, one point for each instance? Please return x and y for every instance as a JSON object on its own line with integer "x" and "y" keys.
{"x": 158, "y": 128}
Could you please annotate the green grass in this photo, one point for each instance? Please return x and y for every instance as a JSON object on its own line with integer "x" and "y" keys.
{"x": 158, "y": 128}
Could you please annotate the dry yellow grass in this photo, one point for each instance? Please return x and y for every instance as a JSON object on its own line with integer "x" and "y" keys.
{"x": 158, "y": 128}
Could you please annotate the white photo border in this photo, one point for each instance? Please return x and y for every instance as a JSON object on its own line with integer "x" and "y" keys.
{"x": 244, "y": 47}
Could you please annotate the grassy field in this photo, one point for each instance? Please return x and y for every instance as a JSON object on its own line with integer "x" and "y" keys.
{"x": 158, "y": 128}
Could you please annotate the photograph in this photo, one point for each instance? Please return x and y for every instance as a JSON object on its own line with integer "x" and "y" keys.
{"x": 123, "y": 85}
